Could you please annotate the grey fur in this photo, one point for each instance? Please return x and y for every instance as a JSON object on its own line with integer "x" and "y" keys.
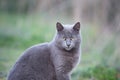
{"x": 50, "y": 61}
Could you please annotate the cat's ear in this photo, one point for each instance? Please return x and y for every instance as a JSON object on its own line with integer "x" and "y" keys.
{"x": 76, "y": 27}
{"x": 59, "y": 26}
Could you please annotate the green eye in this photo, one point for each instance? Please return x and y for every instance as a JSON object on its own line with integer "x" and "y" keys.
{"x": 64, "y": 38}
{"x": 71, "y": 38}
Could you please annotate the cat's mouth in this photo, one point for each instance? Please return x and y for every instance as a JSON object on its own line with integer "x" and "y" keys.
{"x": 68, "y": 48}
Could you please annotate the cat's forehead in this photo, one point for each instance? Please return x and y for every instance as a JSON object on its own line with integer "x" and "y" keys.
{"x": 68, "y": 30}
{"x": 68, "y": 27}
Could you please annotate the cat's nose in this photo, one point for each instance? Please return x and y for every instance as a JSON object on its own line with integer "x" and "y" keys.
{"x": 68, "y": 45}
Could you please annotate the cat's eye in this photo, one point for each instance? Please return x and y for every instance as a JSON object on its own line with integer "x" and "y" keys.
{"x": 64, "y": 38}
{"x": 71, "y": 38}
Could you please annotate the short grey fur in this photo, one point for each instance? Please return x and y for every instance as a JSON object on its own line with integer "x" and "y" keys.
{"x": 50, "y": 61}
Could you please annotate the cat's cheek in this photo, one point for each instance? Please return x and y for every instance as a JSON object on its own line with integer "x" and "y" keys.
{"x": 63, "y": 44}
{"x": 72, "y": 45}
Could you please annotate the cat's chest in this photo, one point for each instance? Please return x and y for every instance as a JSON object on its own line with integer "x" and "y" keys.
{"x": 70, "y": 60}
{"x": 65, "y": 61}
{"x": 67, "y": 58}
{"x": 68, "y": 63}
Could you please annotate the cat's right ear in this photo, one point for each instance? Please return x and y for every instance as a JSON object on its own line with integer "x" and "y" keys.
{"x": 59, "y": 26}
{"x": 76, "y": 27}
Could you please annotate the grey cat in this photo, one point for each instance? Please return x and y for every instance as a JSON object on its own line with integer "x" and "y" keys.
{"x": 50, "y": 61}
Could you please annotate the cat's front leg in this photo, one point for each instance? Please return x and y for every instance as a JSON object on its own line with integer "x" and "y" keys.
{"x": 62, "y": 76}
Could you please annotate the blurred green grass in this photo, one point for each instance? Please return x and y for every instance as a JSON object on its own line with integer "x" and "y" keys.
{"x": 18, "y": 32}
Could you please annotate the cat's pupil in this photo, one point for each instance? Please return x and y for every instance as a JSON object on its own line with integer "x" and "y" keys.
{"x": 71, "y": 38}
{"x": 64, "y": 38}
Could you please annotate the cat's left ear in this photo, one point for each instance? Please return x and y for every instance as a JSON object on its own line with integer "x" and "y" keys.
{"x": 76, "y": 27}
{"x": 59, "y": 26}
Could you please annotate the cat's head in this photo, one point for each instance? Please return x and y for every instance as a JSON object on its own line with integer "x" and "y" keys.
{"x": 68, "y": 36}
